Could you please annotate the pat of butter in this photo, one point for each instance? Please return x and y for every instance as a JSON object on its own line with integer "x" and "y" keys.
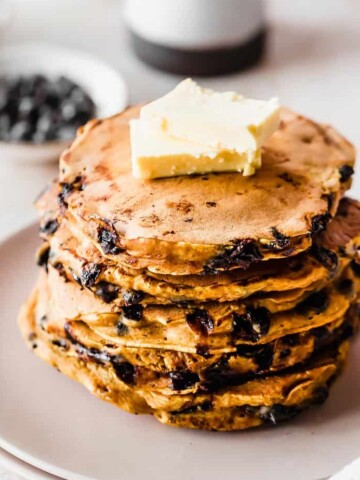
{"x": 156, "y": 155}
{"x": 195, "y": 130}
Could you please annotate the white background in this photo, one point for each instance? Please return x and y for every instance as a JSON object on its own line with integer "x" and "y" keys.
{"x": 312, "y": 65}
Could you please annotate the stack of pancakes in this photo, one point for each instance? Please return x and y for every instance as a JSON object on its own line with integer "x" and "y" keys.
{"x": 216, "y": 301}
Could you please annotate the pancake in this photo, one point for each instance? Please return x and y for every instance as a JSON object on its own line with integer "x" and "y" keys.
{"x": 240, "y": 418}
{"x": 209, "y": 374}
{"x": 80, "y": 260}
{"x": 216, "y": 327}
{"x": 255, "y": 399}
{"x": 108, "y": 298}
{"x": 73, "y": 260}
{"x": 214, "y": 222}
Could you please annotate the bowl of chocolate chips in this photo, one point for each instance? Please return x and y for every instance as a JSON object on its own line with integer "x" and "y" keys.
{"x": 46, "y": 94}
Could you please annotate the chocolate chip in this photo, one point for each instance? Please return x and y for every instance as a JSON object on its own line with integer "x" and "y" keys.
{"x": 345, "y": 286}
{"x": 182, "y": 380}
{"x": 124, "y": 370}
{"x": 92, "y": 354}
{"x": 106, "y": 291}
{"x": 246, "y": 351}
{"x": 43, "y": 257}
{"x": 321, "y": 336}
{"x": 203, "y": 351}
{"x": 252, "y": 325}
{"x": 262, "y": 354}
{"x": 317, "y": 302}
{"x": 49, "y": 227}
{"x": 121, "y": 329}
{"x": 61, "y": 270}
{"x": 207, "y": 406}
{"x": 200, "y": 321}
{"x": 355, "y": 268}
{"x": 214, "y": 383}
{"x": 220, "y": 376}
{"x": 346, "y": 171}
{"x": 211, "y": 204}
{"x": 342, "y": 251}
{"x": 326, "y": 257}
{"x": 264, "y": 357}
{"x": 108, "y": 240}
{"x": 319, "y": 223}
{"x": 281, "y": 240}
{"x": 286, "y": 177}
{"x": 67, "y": 188}
{"x": 242, "y": 254}
{"x": 278, "y": 413}
{"x": 132, "y": 297}
{"x": 90, "y": 274}
{"x": 133, "y": 312}
{"x": 60, "y": 343}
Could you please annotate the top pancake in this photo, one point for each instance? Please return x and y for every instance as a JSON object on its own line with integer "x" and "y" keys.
{"x": 196, "y": 218}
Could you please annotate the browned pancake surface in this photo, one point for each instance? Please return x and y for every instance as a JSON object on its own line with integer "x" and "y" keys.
{"x": 190, "y": 217}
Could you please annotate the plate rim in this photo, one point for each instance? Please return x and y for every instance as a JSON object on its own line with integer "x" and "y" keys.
{"x": 26, "y": 470}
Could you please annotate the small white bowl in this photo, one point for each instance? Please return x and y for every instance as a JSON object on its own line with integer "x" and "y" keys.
{"x": 103, "y": 83}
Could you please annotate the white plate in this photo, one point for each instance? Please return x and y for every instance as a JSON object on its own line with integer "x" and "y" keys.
{"x": 55, "y": 424}
{"x": 18, "y": 467}
{"x": 101, "y": 81}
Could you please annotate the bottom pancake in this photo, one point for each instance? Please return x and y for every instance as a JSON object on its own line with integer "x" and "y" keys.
{"x": 250, "y": 404}
{"x": 239, "y": 418}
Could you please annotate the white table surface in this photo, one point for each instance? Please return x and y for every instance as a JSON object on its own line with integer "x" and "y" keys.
{"x": 312, "y": 65}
